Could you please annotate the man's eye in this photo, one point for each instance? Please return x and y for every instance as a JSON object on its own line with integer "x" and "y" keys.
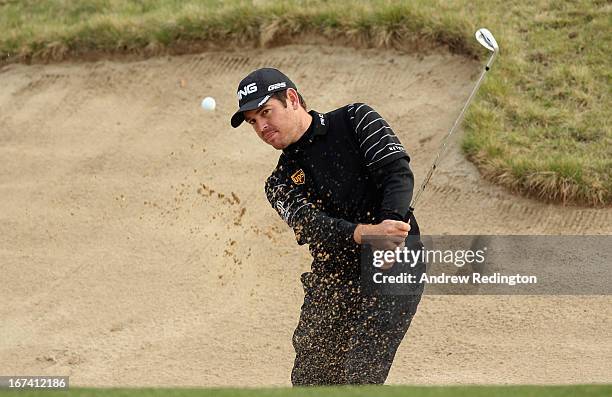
{"x": 266, "y": 111}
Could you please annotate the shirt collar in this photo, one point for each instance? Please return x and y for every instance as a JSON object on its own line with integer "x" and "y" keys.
{"x": 317, "y": 127}
{"x": 320, "y": 122}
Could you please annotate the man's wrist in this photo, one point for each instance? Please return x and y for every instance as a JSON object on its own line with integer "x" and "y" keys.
{"x": 359, "y": 232}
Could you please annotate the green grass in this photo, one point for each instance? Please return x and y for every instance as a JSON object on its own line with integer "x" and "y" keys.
{"x": 541, "y": 124}
{"x": 379, "y": 391}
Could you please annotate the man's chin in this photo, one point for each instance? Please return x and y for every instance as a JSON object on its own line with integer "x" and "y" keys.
{"x": 277, "y": 145}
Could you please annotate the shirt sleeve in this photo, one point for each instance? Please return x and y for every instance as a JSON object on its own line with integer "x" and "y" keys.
{"x": 378, "y": 143}
{"x": 385, "y": 156}
{"x": 396, "y": 181}
{"x": 310, "y": 225}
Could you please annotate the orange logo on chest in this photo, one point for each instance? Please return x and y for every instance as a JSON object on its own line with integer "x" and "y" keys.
{"x": 298, "y": 177}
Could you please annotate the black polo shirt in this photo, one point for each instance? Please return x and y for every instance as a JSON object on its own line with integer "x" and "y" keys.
{"x": 349, "y": 167}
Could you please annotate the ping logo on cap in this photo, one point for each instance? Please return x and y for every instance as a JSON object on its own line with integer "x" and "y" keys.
{"x": 246, "y": 90}
{"x": 298, "y": 177}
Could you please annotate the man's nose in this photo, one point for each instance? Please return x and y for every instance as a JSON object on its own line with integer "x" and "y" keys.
{"x": 261, "y": 125}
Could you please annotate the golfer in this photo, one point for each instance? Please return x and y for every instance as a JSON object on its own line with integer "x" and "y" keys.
{"x": 341, "y": 176}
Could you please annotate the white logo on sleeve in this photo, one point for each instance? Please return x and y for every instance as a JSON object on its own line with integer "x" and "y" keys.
{"x": 280, "y": 207}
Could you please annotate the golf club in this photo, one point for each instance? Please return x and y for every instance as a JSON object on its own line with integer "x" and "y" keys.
{"x": 485, "y": 38}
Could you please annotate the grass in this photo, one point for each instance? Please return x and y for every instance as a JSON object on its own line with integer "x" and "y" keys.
{"x": 379, "y": 391}
{"x": 541, "y": 124}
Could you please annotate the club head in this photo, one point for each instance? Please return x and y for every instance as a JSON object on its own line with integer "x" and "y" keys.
{"x": 485, "y": 38}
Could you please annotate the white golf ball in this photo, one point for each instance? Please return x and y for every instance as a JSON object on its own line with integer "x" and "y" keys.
{"x": 208, "y": 103}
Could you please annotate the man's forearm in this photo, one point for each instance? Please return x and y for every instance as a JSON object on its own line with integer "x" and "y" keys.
{"x": 396, "y": 182}
{"x": 313, "y": 226}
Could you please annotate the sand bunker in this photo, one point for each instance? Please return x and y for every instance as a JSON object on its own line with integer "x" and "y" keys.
{"x": 137, "y": 247}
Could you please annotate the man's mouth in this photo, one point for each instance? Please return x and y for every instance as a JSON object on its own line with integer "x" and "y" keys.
{"x": 269, "y": 135}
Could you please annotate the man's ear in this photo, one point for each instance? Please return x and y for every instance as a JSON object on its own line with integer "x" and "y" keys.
{"x": 293, "y": 97}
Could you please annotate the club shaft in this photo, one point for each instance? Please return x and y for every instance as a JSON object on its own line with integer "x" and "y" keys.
{"x": 442, "y": 147}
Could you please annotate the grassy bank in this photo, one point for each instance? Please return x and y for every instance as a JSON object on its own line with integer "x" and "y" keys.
{"x": 539, "y": 126}
{"x": 381, "y": 391}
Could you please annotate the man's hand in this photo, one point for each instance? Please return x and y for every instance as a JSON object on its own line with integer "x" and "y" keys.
{"x": 393, "y": 235}
{"x": 397, "y": 231}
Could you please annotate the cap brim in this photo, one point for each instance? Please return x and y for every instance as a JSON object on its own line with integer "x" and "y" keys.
{"x": 238, "y": 117}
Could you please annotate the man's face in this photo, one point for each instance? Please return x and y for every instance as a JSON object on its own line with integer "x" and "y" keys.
{"x": 274, "y": 123}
